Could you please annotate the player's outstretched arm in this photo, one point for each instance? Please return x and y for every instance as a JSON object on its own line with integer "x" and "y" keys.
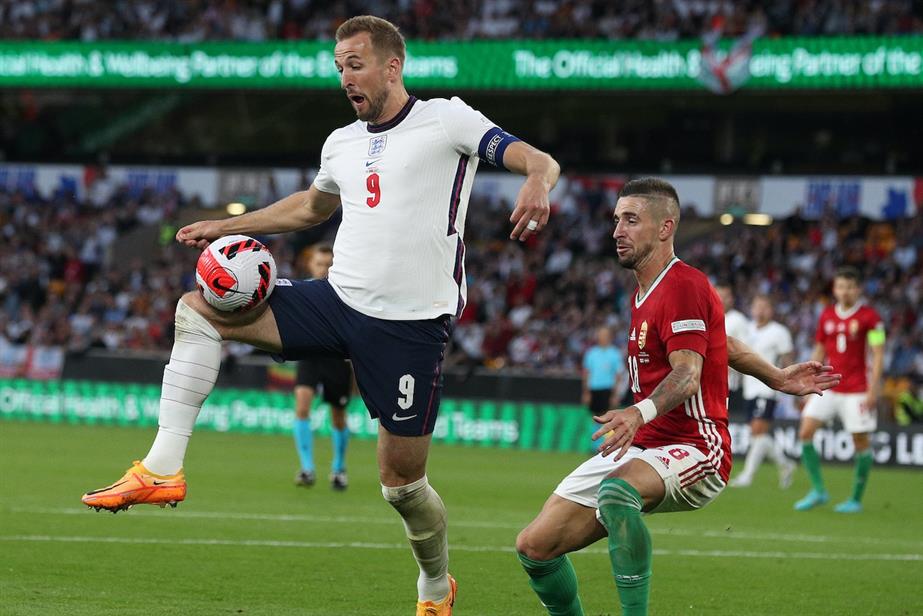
{"x": 809, "y": 377}
{"x": 299, "y": 210}
{"x": 542, "y": 172}
{"x": 678, "y": 386}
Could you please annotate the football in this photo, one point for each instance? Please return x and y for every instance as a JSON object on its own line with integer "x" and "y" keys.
{"x": 235, "y": 273}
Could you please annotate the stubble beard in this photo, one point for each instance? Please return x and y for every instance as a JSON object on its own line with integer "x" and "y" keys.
{"x": 375, "y": 109}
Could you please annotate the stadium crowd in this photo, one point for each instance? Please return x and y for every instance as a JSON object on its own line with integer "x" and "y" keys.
{"x": 530, "y": 307}
{"x": 259, "y": 20}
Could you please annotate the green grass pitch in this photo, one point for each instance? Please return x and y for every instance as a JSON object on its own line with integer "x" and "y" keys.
{"x": 246, "y": 541}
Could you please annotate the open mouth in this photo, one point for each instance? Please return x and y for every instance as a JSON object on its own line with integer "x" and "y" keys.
{"x": 357, "y": 99}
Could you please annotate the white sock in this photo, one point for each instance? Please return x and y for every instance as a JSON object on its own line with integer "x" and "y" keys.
{"x": 759, "y": 445}
{"x": 425, "y": 522}
{"x": 776, "y": 454}
{"x": 187, "y": 381}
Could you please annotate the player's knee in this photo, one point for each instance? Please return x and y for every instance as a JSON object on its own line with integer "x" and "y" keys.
{"x": 223, "y": 322}
{"x": 401, "y": 472}
{"x": 338, "y": 418}
{"x": 536, "y": 545}
{"x": 805, "y": 433}
{"x": 421, "y": 507}
{"x": 191, "y": 322}
{"x": 861, "y": 441}
{"x": 303, "y": 399}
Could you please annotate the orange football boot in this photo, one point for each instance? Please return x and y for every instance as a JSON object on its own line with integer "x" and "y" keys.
{"x": 439, "y": 608}
{"x": 138, "y": 486}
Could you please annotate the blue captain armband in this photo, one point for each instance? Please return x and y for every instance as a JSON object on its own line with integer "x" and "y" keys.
{"x": 493, "y": 145}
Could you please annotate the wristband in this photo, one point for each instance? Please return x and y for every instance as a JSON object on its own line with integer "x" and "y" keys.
{"x": 647, "y": 408}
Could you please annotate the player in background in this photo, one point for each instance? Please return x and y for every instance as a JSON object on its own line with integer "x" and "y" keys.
{"x": 335, "y": 378}
{"x": 672, "y": 447}
{"x": 403, "y": 174}
{"x": 772, "y": 341}
{"x": 736, "y": 326}
{"x": 602, "y": 374}
{"x": 846, "y": 332}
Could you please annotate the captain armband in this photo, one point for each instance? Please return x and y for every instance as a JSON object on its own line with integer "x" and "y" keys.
{"x": 876, "y": 337}
{"x": 493, "y": 145}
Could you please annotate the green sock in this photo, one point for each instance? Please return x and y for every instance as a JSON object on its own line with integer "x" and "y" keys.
{"x": 811, "y": 462}
{"x": 555, "y": 583}
{"x": 863, "y": 468}
{"x": 630, "y": 547}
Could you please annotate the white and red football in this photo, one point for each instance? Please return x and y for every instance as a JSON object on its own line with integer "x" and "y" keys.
{"x": 235, "y": 272}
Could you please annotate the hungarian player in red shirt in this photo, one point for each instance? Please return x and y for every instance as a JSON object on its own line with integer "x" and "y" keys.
{"x": 672, "y": 447}
{"x": 845, "y": 333}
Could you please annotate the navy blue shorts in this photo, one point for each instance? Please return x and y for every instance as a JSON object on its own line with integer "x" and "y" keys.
{"x": 398, "y": 364}
{"x": 761, "y": 408}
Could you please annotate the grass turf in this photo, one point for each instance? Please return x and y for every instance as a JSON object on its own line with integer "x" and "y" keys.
{"x": 246, "y": 541}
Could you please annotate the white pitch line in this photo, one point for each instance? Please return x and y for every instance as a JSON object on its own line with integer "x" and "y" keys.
{"x": 294, "y": 517}
{"x": 265, "y": 543}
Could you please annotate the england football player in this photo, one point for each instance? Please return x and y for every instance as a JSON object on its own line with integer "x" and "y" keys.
{"x": 334, "y": 377}
{"x": 735, "y": 326}
{"x": 672, "y": 448}
{"x": 403, "y": 174}
{"x": 846, "y": 332}
{"x": 772, "y": 341}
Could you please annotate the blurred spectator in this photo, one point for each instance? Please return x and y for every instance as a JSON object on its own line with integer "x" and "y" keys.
{"x": 190, "y": 21}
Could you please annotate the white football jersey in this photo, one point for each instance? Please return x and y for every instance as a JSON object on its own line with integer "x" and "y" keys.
{"x": 770, "y": 342}
{"x": 404, "y": 187}
{"x": 735, "y": 324}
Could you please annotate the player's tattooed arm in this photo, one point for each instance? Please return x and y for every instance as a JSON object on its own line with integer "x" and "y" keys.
{"x": 809, "y": 377}
{"x": 679, "y": 385}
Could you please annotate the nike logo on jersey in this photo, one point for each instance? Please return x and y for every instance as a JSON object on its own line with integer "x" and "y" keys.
{"x": 369, "y": 163}
{"x": 397, "y": 417}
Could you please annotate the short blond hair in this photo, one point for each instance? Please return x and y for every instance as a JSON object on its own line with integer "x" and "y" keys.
{"x": 387, "y": 40}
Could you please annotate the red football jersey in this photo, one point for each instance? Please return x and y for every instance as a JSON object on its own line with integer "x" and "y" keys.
{"x": 845, "y": 339}
{"x": 682, "y": 311}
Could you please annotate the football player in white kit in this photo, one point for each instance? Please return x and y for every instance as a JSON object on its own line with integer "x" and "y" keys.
{"x": 403, "y": 174}
{"x": 735, "y": 326}
{"x": 772, "y": 341}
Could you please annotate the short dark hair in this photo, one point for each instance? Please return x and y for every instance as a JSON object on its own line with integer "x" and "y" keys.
{"x": 849, "y": 273}
{"x": 387, "y": 40}
{"x": 653, "y": 187}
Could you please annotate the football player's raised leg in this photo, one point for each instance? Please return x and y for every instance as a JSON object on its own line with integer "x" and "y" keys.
{"x": 402, "y": 470}
{"x": 627, "y": 491}
{"x": 188, "y": 379}
{"x": 194, "y": 363}
{"x": 562, "y": 526}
